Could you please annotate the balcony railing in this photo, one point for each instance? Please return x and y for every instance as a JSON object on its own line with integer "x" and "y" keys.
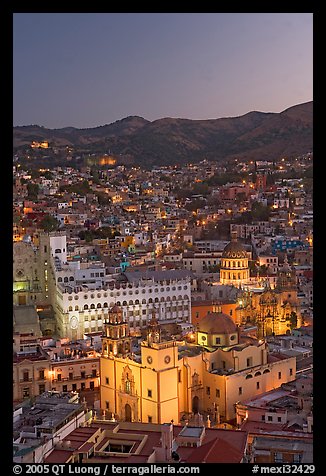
{"x": 77, "y": 377}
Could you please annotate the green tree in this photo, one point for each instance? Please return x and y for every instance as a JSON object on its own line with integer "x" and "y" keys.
{"x": 260, "y": 212}
{"x": 32, "y": 190}
{"x": 48, "y": 175}
{"x": 49, "y": 223}
{"x": 293, "y": 320}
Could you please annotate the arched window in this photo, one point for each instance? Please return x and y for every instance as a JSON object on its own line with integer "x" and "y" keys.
{"x": 143, "y": 301}
{"x": 65, "y": 279}
{"x": 128, "y": 386}
{"x": 58, "y": 250}
{"x": 92, "y": 306}
{"x": 85, "y": 307}
{"x": 124, "y": 303}
{"x": 70, "y": 308}
{"x": 131, "y": 302}
{"x": 71, "y": 278}
{"x": 257, "y": 374}
{"x": 248, "y": 376}
{"x": 105, "y": 304}
{"x": 99, "y": 305}
{"x": 137, "y": 301}
{"x": 59, "y": 279}
{"x": 266, "y": 371}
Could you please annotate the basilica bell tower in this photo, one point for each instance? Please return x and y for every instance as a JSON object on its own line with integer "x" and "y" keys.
{"x": 116, "y": 340}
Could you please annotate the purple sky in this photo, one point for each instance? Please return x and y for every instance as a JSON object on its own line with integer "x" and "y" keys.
{"x": 90, "y": 69}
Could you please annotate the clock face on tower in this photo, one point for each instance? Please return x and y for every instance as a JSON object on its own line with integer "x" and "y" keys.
{"x": 149, "y": 359}
{"x": 167, "y": 359}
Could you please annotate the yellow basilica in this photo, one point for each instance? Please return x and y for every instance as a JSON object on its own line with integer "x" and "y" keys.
{"x": 171, "y": 380}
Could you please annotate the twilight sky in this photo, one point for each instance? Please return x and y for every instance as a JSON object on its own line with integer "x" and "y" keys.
{"x": 91, "y": 69}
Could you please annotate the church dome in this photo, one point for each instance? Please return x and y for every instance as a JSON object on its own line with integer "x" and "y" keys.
{"x": 217, "y": 323}
{"x": 234, "y": 249}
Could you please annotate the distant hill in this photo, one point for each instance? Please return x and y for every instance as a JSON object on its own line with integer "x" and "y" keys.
{"x": 255, "y": 135}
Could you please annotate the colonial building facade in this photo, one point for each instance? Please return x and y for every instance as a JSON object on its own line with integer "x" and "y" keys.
{"x": 169, "y": 379}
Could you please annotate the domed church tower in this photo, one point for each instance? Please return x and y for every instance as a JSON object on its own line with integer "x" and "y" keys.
{"x": 234, "y": 263}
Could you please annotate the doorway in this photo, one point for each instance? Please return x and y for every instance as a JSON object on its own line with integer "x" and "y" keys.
{"x": 195, "y": 405}
{"x": 127, "y": 412}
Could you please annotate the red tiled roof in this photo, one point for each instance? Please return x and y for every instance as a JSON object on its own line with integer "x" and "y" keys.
{"x": 58, "y": 456}
{"x": 216, "y": 451}
{"x": 86, "y": 447}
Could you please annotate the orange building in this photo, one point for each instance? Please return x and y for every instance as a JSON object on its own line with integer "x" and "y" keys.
{"x": 200, "y": 309}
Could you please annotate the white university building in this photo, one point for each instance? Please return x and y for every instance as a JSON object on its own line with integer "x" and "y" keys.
{"x": 84, "y": 294}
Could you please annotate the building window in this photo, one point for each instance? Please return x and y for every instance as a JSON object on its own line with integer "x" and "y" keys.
{"x": 257, "y": 385}
{"x": 71, "y": 375}
{"x": 179, "y": 376}
{"x": 297, "y": 458}
{"x": 279, "y": 419}
{"x": 59, "y": 377}
{"x": 64, "y": 388}
{"x": 223, "y": 364}
{"x": 26, "y": 376}
{"x": 74, "y": 387}
{"x": 278, "y": 457}
{"x": 94, "y": 373}
{"x": 41, "y": 375}
{"x": 208, "y": 390}
{"x": 217, "y": 340}
{"x": 217, "y": 393}
{"x": 25, "y": 392}
{"x": 291, "y": 372}
{"x": 240, "y": 390}
{"x": 107, "y": 405}
{"x": 249, "y": 362}
{"x": 41, "y": 389}
{"x": 150, "y": 419}
{"x": 269, "y": 418}
{"x": 279, "y": 375}
{"x": 83, "y": 386}
{"x": 83, "y": 374}
{"x": 149, "y": 393}
{"x": 128, "y": 386}
{"x": 107, "y": 380}
{"x": 263, "y": 417}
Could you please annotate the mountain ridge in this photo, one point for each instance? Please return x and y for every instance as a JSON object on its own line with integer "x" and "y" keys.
{"x": 173, "y": 140}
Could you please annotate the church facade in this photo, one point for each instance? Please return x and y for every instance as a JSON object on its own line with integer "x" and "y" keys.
{"x": 170, "y": 380}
